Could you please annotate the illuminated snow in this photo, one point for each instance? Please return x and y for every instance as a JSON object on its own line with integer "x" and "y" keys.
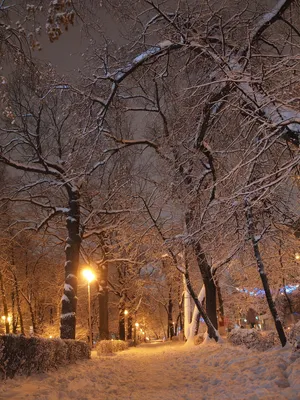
{"x": 169, "y": 371}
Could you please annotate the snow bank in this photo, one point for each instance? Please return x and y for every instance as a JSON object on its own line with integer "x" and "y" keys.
{"x": 23, "y": 356}
{"x": 110, "y": 346}
{"x": 169, "y": 371}
{"x": 253, "y": 339}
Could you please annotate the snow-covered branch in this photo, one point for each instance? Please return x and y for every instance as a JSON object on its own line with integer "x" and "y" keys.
{"x": 268, "y": 18}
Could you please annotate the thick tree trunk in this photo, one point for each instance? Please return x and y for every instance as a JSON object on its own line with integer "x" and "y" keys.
{"x": 262, "y": 274}
{"x": 32, "y": 314}
{"x": 212, "y": 332}
{"x": 103, "y": 303}
{"x": 129, "y": 328}
{"x": 221, "y": 319}
{"x": 220, "y": 299}
{"x": 186, "y": 309}
{"x": 72, "y": 249}
{"x": 16, "y": 285}
{"x": 210, "y": 287}
{"x": 170, "y": 315}
{"x": 16, "y": 292}
{"x": 5, "y": 307}
{"x": 194, "y": 324}
{"x": 206, "y": 273}
{"x": 14, "y": 319}
{"x": 121, "y": 324}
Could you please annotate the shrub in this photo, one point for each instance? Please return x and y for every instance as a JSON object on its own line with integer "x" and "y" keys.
{"x": 198, "y": 339}
{"x": 253, "y": 339}
{"x": 24, "y": 356}
{"x": 110, "y": 346}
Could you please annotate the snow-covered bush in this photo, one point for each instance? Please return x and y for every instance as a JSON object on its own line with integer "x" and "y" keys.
{"x": 24, "y": 356}
{"x": 110, "y": 346}
{"x": 76, "y": 350}
{"x": 253, "y": 339}
{"x": 198, "y": 339}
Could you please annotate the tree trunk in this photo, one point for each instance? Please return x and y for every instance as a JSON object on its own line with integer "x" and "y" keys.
{"x": 129, "y": 328}
{"x": 5, "y": 307}
{"x": 210, "y": 287}
{"x": 212, "y": 332}
{"x": 170, "y": 315}
{"x": 221, "y": 319}
{"x": 32, "y": 315}
{"x": 14, "y": 319}
{"x": 220, "y": 299}
{"x": 18, "y": 304}
{"x": 186, "y": 309}
{"x": 194, "y": 324}
{"x": 262, "y": 274}
{"x": 72, "y": 249}
{"x": 121, "y": 324}
{"x": 103, "y": 303}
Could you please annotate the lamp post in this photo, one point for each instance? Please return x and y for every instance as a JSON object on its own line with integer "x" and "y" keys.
{"x": 136, "y": 325}
{"x": 6, "y": 321}
{"x": 126, "y": 324}
{"x": 89, "y": 276}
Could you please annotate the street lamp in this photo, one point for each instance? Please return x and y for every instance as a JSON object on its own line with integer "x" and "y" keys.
{"x": 90, "y": 277}
{"x": 136, "y": 325}
{"x": 126, "y": 312}
{"x": 4, "y": 319}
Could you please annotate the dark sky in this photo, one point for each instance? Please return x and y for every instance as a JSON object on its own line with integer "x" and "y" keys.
{"x": 65, "y": 53}
{"x": 69, "y": 52}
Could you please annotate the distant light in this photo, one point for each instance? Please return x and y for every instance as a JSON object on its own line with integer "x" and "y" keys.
{"x": 256, "y": 317}
{"x": 3, "y": 318}
{"x": 62, "y": 87}
{"x": 245, "y": 320}
{"x": 297, "y": 256}
{"x": 137, "y": 324}
{"x": 88, "y": 275}
{"x": 50, "y": 337}
{"x": 9, "y": 319}
{"x": 126, "y": 312}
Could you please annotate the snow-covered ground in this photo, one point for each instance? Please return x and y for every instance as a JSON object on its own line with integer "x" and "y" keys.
{"x": 168, "y": 371}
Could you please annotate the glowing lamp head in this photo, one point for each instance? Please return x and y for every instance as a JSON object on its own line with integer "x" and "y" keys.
{"x": 137, "y": 324}
{"x": 126, "y": 312}
{"x": 88, "y": 275}
{"x": 297, "y": 256}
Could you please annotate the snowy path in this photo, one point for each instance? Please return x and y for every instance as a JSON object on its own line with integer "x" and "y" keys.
{"x": 168, "y": 372}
